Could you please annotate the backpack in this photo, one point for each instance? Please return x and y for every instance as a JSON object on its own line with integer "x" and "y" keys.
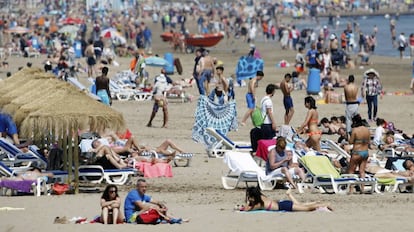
{"x": 150, "y": 216}
{"x": 257, "y": 117}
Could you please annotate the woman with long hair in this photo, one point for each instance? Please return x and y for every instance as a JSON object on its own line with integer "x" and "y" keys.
{"x": 111, "y": 205}
{"x": 311, "y": 123}
{"x": 256, "y": 200}
{"x": 360, "y": 138}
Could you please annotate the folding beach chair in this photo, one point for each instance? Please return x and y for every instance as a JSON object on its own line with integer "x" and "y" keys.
{"x": 243, "y": 168}
{"x": 224, "y": 143}
{"x": 327, "y": 178}
{"x": 400, "y": 184}
{"x": 180, "y": 160}
{"x": 14, "y": 157}
{"x": 37, "y": 187}
{"x": 95, "y": 174}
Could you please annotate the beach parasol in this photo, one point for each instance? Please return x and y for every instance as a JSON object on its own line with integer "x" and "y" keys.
{"x": 156, "y": 61}
{"x": 113, "y": 34}
{"x": 47, "y": 110}
{"x": 71, "y": 29}
{"x": 18, "y": 30}
{"x": 71, "y": 21}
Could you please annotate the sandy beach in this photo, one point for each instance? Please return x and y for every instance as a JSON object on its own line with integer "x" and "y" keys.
{"x": 196, "y": 192}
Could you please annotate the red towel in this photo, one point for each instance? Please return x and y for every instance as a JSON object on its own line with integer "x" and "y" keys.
{"x": 154, "y": 170}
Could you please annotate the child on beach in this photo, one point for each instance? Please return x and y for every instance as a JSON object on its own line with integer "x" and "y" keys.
{"x": 257, "y": 201}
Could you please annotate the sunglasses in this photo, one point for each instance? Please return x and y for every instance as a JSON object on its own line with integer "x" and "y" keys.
{"x": 112, "y": 191}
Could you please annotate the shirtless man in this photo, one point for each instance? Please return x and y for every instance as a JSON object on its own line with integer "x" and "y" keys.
{"x": 287, "y": 99}
{"x": 352, "y": 103}
{"x": 90, "y": 58}
{"x": 251, "y": 95}
{"x": 206, "y": 71}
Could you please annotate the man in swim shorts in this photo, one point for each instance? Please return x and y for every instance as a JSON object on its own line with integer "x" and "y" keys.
{"x": 287, "y": 88}
{"x": 251, "y": 95}
{"x": 352, "y": 103}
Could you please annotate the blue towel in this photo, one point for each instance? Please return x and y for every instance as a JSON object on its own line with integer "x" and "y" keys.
{"x": 247, "y": 66}
{"x": 209, "y": 114}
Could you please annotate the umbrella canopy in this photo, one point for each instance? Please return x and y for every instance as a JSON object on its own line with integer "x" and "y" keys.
{"x": 18, "y": 30}
{"x": 156, "y": 61}
{"x": 71, "y": 29}
{"x": 71, "y": 21}
{"x": 113, "y": 34}
{"x": 39, "y": 103}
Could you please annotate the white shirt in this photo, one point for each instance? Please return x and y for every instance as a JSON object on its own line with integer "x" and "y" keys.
{"x": 266, "y": 104}
{"x": 379, "y": 131}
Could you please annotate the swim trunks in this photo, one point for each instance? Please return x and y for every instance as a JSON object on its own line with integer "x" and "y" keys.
{"x": 91, "y": 61}
{"x": 285, "y": 205}
{"x": 287, "y": 102}
{"x": 104, "y": 96}
{"x": 251, "y": 104}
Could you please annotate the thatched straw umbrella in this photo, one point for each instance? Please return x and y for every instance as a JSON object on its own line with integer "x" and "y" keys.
{"x": 45, "y": 107}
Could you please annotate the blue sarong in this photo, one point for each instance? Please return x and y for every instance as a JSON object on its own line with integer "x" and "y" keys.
{"x": 209, "y": 114}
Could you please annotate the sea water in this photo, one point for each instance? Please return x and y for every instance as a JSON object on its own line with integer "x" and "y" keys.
{"x": 384, "y": 46}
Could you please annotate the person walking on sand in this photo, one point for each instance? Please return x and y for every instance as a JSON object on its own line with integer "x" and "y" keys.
{"x": 102, "y": 87}
{"x": 160, "y": 87}
{"x": 206, "y": 72}
{"x": 351, "y": 101}
{"x": 371, "y": 88}
{"x": 287, "y": 88}
{"x": 251, "y": 95}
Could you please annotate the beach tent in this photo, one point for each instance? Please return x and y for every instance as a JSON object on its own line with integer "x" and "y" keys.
{"x": 47, "y": 110}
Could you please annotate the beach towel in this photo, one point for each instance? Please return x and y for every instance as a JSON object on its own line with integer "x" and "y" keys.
{"x": 19, "y": 185}
{"x": 209, "y": 114}
{"x": 247, "y": 67}
{"x": 154, "y": 170}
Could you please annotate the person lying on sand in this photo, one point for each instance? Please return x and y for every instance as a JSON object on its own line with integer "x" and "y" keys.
{"x": 257, "y": 201}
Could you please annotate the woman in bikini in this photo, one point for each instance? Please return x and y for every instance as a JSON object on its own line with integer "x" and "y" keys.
{"x": 360, "y": 138}
{"x": 311, "y": 122}
{"x": 257, "y": 201}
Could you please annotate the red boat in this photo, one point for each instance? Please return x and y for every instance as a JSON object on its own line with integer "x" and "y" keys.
{"x": 166, "y": 36}
{"x": 203, "y": 40}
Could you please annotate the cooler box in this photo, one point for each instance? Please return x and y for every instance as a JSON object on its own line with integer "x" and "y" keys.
{"x": 77, "y": 46}
{"x": 314, "y": 81}
{"x": 169, "y": 69}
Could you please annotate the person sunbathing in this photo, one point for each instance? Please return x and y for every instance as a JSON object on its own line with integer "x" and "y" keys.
{"x": 31, "y": 174}
{"x": 106, "y": 156}
{"x": 256, "y": 200}
{"x": 391, "y": 142}
{"x": 380, "y": 172}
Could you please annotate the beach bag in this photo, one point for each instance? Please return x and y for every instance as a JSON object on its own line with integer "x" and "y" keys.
{"x": 150, "y": 216}
{"x": 257, "y": 117}
{"x": 60, "y": 188}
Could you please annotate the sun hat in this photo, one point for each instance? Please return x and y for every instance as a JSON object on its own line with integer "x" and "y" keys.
{"x": 371, "y": 70}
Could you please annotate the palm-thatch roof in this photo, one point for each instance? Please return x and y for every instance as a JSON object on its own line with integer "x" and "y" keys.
{"x": 40, "y": 103}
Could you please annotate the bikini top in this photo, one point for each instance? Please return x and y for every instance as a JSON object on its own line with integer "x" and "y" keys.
{"x": 361, "y": 141}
